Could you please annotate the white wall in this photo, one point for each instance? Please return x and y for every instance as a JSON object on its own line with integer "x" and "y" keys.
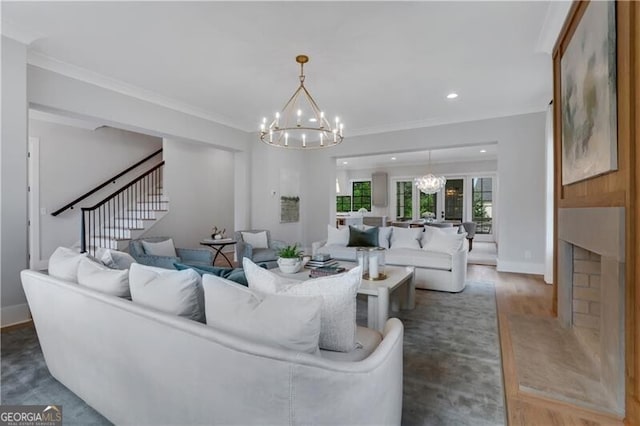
{"x": 198, "y": 179}
{"x": 520, "y": 168}
{"x": 74, "y": 161}
{"x": 13, "y": 172}
{"x": 276, "y": 172}
{"x": 522, "y": 199}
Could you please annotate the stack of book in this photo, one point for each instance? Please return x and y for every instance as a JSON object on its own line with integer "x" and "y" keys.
{"x": 324, "y": 271}
{"x": 314, "y": 263}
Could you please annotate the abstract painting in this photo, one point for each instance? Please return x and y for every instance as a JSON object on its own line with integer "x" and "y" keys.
{"x": 588, "y": 96}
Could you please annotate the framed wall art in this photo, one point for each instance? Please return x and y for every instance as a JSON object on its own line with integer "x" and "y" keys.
{"x": 588, "y": 96}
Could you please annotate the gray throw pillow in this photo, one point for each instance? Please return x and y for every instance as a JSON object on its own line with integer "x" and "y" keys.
{"x": 367, "y": 238}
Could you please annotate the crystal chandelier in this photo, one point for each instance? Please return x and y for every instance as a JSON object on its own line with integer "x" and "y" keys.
{"x": 301, "y": 124}
{"x": 429, "y": 183}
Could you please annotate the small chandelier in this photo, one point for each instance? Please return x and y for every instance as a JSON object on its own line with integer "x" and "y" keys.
{"x": 301, "y": 124}
{"x": 429, "y": 183}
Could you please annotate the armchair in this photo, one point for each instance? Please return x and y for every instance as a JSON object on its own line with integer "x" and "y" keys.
{"x": 268, "y": 256}
{"x": 195, "y": 257}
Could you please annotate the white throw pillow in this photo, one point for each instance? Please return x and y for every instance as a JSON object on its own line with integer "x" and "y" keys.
{"x": 103, "y": 279}
{"x": 162, "y": 248}
{"x": 337, "y": 236}
{"x": 115, "y": 259}
{"x": 444, "y": 242}
{"x": 64, "y": 263}
{"x": 256, "y": 239}
{"x": 174, "y": 292}
{"x": 405, "y": 238}
{"x": 290, "y": 322}
{"x": 338, "y": 315}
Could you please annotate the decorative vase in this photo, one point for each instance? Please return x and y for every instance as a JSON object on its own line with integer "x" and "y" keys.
{"x": 290, "y": 265}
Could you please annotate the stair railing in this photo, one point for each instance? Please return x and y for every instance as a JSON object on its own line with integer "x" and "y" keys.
{"x": 105, "y": 223}
{"x": 105, "y": 183}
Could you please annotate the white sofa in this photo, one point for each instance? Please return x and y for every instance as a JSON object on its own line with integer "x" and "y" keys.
{"x": 137, "y": 365}
{"x": 434, "y": 270}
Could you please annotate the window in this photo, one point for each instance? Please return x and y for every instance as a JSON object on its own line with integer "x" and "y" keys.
{"x": 428, "y": 204}
{"x": 343, "y": 203}
{"x": 361, "y": 192}
{"x": 482, "y": 214}
{"x": 404, "y": 200}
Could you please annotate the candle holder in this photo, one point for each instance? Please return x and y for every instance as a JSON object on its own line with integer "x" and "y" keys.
{"x": 372, "y": 261}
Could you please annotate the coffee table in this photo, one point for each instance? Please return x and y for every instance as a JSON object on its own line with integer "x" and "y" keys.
{"x": 397, "y": 290}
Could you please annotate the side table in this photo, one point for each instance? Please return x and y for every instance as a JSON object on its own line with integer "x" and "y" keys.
{"x": 217, "y": 246}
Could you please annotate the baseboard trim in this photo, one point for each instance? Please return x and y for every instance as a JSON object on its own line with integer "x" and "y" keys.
{"x": 14, "y": 314}
{"x": 520, "y": 267}
{"x": 17, "y": 326}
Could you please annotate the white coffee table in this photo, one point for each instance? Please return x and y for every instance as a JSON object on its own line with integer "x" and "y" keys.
{"x": 396, "y": 291}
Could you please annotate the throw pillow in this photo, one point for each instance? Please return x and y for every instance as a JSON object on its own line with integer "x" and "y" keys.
{"x": 405, "y": 237}
{"x": 116, "y": 259}
{"x": 358, "y": 238}
{"x": 290, "y": 322}
{"x": 338, "y": 314}
{"x": 64, "y": 263}
{"x": 174, "y": 292}
{"x": 444, "y": 242}
{"x": 256, "y": 239}
{"x": 162, "y": 248}
{"x": 103, "y": 279}
{"x": 233, "y": 274}
{"x": 384, "y": 235}
{"x": 337, "y": 236}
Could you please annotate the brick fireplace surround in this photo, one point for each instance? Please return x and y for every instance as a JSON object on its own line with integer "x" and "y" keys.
{"x": 591, "y": 264}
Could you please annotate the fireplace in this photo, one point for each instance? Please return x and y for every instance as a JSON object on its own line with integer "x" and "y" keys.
{"x": 591, "y": 258}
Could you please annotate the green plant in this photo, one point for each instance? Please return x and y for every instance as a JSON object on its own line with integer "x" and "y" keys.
{"x": 290, "y": 252}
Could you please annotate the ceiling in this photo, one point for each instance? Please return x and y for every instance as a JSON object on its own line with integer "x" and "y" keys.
{"x": 482, "y": 152}
{"x": 378, "y": 65}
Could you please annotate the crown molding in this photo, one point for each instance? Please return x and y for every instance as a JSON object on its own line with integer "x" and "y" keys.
{"x": 82, "y": 74}
{"x": 35, "y": 114}
{"x": 553, "y": 21}
{"x": 18, "y": 33}
{"x": 418, "y": 124}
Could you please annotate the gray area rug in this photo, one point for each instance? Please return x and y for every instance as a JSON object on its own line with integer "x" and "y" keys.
{"x": 452, "y": 366}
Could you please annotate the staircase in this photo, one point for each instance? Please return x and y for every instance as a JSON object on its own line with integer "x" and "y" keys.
{"x": 130, "y": 225}
{"x": 125, "y": 214}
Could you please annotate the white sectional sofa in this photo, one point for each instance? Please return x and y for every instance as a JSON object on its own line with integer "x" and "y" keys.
{"x": 138, "y": 365}
{"x": 440, "y": 267}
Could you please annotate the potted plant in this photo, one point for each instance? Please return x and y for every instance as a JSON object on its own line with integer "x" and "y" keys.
{"x": 290, "y": 259}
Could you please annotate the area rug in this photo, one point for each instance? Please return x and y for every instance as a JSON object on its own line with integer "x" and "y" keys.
{"x": 452, "y": 366}
{"x": 25, "y": 380}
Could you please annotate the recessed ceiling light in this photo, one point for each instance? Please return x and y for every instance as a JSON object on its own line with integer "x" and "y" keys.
{"x": 452, "y": 95}
{"x": 483, "y": 151}
{"x": 393, "y": 158}
{"x": 313, "y": 119}
{"x": 345, "y": 162}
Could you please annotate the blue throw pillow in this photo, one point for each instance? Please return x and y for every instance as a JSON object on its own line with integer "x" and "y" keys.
{"x": 232, "y": 274}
